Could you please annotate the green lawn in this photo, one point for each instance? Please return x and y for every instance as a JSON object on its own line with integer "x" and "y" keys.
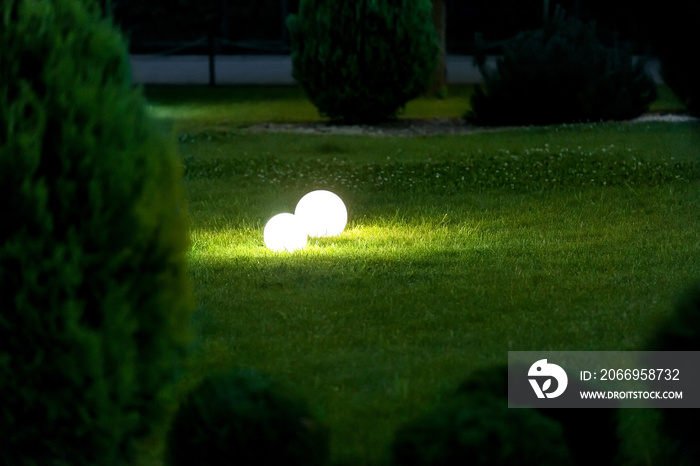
{"x": 458, "y": 249}
{"x": 200, "y": 108}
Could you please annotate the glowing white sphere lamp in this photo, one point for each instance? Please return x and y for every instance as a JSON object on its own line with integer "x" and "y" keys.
{"x": 284, "y": 232}
{"x": 323, "y": 213}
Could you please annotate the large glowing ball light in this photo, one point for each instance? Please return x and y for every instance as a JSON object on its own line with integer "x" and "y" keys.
{"x": 323, "y": 213}
{"x": 284, "y": 232}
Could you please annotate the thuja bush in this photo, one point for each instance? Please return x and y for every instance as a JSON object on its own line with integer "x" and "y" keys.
{"x": 560, "y": 73}
{"x": 94, "y": 292}
{"x": 681, "y": 332}
{"x": 245, "y": 418}
{"x": 675, "y": 28}
{"x": 682, "y": 76}
{"x": 480, "y": 429}
{"x": 574, "y": 423}
{"x": 361, "y": 61}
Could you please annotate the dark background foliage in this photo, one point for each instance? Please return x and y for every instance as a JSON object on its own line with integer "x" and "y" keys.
{"x": 561, "y": 73}
{"x": 362, "y": 61}
{"x": 259, "y": 26}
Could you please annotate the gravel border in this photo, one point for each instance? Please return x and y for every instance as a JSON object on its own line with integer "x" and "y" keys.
{"x": 401, "y": 127}
{"x": 420, "y": 127}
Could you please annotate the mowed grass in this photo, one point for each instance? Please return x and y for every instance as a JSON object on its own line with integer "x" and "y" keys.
{"x": 201, "y": 108}
{"x": 458, "y": 249}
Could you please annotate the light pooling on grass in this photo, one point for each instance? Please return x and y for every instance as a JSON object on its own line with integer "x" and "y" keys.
{"x": 389, "y": 238}
{"x": 431, "y": 280}
{"x": 420, "y": 290}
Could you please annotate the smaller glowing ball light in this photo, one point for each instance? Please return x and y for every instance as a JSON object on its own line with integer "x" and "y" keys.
{"x": 284, "y": 232}
{"x": 322, "y": 213}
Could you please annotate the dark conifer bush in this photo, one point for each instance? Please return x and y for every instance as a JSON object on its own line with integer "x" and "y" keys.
{"x": 560, "y": 73}
{"x": 682, "y": 75}
{"x": 681, "y": 332}
{"x": 361, "y": 61}
{"x": 480, "y": 429}
{"x": 674, "y": 38}
{"x": 245, "y": 418}
{"x": 575, "y": 423}
{"x": 94, "y": 293}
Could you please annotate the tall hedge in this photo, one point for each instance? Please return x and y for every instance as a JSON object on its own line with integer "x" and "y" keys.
{"x": 561, "y": 73}
{"x": 362, "y": 61}
{"x": 94, "y": 293}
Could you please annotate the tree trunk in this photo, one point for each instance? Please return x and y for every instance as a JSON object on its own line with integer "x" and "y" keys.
{"x": 438, "y": 86}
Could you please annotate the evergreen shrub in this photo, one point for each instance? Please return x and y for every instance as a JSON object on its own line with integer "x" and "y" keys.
{"x": 362, "y": 61}
{"x": 94, "y": 292}
{"x": 675, "y": 34}
{"x": 575, "y": 423}
{"x": 683, "y": 77}
{"x": 245, "y": 418}
{"x": 479, "y": 429}
{"x": 681, "y": 332}
{"x": 560, "y": 73}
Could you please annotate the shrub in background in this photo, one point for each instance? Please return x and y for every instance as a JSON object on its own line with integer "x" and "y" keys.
{"x": 681, "y": 332}
{"x": 245, "y": 418}
{"x": 674, "y": 35}
{"x": 682, "y": 75}
{"x": 94, "y": 291}
{"x": 361, "y": 61}
{"x": 560, "y": 73}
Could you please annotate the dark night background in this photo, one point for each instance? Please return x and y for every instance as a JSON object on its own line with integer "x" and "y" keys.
{"x": 258, "y": 26}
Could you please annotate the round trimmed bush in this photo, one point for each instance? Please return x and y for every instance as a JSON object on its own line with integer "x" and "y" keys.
{"x": 682, "y": 76}
{"x": 674, "y": 32}
{"x": 361, "y": 61}
{"x": 560, "y": 73}
{"x": 575, "y": 423}
{"x": 94, "y": 290}
{"x": 681, "y": 332}
{"x": 245, "y": 418}
{"x": 480, "y": 430}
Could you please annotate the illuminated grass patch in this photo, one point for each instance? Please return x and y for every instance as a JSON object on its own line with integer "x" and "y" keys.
{"x": 436, "y": 276}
